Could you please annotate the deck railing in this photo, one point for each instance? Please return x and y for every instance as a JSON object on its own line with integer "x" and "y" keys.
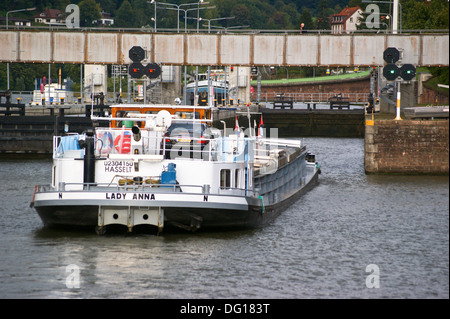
{"x": 359, "y": 98}
{"x": 139, "y": 187}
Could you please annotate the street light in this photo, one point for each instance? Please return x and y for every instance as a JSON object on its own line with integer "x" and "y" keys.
{"x": 7, "y": 13}
{"x": 210, "y": 96}
{"x": 227, "y": 28}
{"x": 397, "y": 9}
{"x": 186, "y": 17}
{"x": 153, "y": 1}
{"x": 216, "y": 19}
{"x": 198, "y": 13}
{"x": 186, "y": 11}
{"x": 178, "y": 6}
{"x": 177, "y": 9}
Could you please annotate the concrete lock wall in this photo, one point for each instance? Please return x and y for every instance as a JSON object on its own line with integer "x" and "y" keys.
{"x": 407, "y": 147}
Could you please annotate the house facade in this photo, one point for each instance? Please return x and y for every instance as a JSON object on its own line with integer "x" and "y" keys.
{"x": 346, "y": 20}
{"x": 16, "y": 21}
{"x": 50, "y": 16}
{"x": 106, "y": 19}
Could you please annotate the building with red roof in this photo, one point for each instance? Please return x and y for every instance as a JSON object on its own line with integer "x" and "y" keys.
{"x": 346, "y": 20}
{"x": 50, "y": 16}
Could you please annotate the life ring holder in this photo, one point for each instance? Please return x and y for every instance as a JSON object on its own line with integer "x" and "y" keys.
{"x": 107, "y": 142}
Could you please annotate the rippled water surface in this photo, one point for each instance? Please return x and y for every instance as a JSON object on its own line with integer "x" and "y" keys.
{"x": 318, "y": 248}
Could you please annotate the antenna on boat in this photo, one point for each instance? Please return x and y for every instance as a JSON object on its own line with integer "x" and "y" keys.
{"x": 92, "y": 95}
{"x": 249, "y": 121}
{"x": 163, "y": 118}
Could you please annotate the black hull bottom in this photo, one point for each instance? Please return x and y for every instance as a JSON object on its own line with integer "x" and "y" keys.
{"x": 174, "y": 218}
{"x": 191, "y": 219}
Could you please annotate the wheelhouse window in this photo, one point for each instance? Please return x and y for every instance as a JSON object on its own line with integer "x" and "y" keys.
{"x": 225, "y": 178}
{"x": 187, "y": 115}
{"x": 128, "y": 124}
{"x": 236, "y": 178}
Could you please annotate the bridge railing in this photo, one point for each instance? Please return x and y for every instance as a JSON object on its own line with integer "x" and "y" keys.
{"x": 222, "y": 31}
{"x": 247, "y": 48}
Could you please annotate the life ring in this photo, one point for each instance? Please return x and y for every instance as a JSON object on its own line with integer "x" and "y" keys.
{"x": 122, "y": 143}
{"x": 107, "y": 142}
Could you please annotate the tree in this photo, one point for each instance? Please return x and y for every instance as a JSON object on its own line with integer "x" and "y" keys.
{"x": 61, "y": 4}
{"x": 108, "y": 5}
{"x": 142, "y": 16}
{"x": 280, "y": 19}
{"x": 323, "y": 21}
{"x": 19, "y": 84}
{"x": 305, "y": 18}
{"x": 89, "y": 11}
{"x": 422, "y": 15}
{"x": 293, "y": 15}
{"x": 124, "y": 16}
{"x": 354, "y": 3}
{"x": 242, "y": 14}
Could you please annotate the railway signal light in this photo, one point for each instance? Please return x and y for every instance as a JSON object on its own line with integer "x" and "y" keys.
{"x": 391, "y": 55}
{"x": 136, "y": 70}
{"x": 408, "y": 72}
{"x": 136, "y": 54}
{"x": 152, "y": 70}
{"x": 373, "y": 72}
{"x": 391, "y": 72}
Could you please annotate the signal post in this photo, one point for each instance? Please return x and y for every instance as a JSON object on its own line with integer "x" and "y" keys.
{"x": 395, "y": 72}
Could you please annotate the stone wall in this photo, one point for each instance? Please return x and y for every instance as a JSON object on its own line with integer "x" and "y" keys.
{"x": 407, "y": 147}
{"x": 433, "y": 97}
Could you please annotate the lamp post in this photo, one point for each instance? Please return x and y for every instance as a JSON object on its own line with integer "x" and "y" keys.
{"x": 185, "y": 30}
{"x": 7, "y": 13}
{"x": 397, "y": 11}
{"x": 7, "y": 24}
{"x": 216, "y": 19}
{"x": 210, "y": 96}
{"x": 388, "y": 18}
{"x": 178, "y": 8}
{"x": 198, "y": 13}
{"x": 227, "y": 28}
{"x": 154, "y": 19}
{"x": 198, "y": 19}
{"x": 395, "y": 17}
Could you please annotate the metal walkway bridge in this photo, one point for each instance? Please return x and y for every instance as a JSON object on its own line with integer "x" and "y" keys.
{"x": 243, "y": 49}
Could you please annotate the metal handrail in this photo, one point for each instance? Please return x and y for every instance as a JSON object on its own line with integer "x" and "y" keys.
{"x": 195, "y": 30}
{"x": 209, "y": 146}
{"x": 314, "y": 97}
{"x": 101, "y": 187}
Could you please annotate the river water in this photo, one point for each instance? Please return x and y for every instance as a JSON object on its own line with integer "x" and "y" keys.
{"x": 352, "y": 236}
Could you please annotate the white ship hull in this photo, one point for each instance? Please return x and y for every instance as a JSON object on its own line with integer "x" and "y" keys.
{"x": 230, "y": 182}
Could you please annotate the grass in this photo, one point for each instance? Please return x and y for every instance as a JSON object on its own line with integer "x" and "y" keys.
{"x": 433, "y": 83}
{"x": 315, "y": 79}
